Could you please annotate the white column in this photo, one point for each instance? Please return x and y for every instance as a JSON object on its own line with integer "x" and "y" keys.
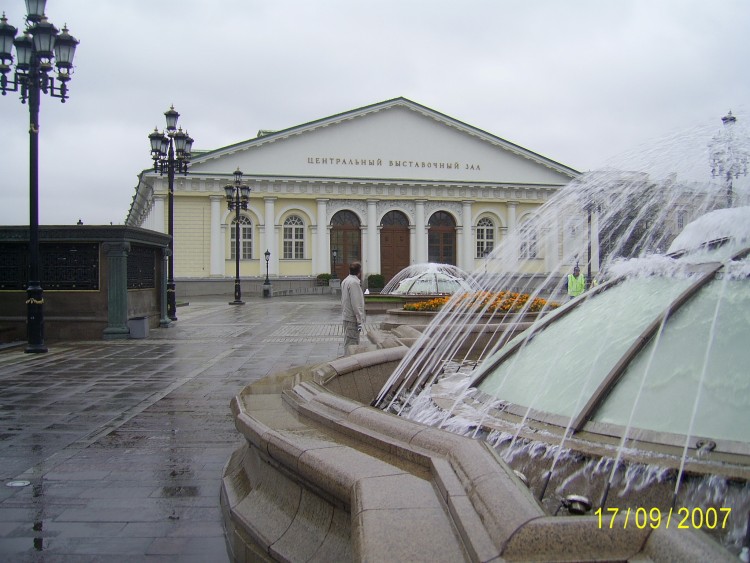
{"x": 159, "y": 221}
{"x": 552, "y": 241}
{"x": 412, "y": 244}
{"x": 594, "y": 243}
{"x": 512, "y": 216}
{"x": 270, "y": 237}
{"x": 148, "y": 221}
{"x": 216, "y": 261}
{"x": 421, "y": 233}
{"x": 466, "y": 260}
{"x": 372, "y": 258}
{"x": 513, "y": 248}
{"x": 320, "y": 252}
{"x": 223, "y": 250}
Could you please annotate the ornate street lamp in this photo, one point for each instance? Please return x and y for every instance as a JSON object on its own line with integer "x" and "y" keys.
{"x": 334, "y": 253}
{"x": 35, "y": 51}
{"x": 171, "y": 153}
{"x": 238, "y": 196}
{"x": 267, "y": 283}
{"x": 728, "y": 159}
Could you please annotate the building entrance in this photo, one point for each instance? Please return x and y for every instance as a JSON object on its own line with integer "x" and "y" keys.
{"x": 394, "y": 244}
{"x": 441, "y": 239}
{"x": 346, "y": 240}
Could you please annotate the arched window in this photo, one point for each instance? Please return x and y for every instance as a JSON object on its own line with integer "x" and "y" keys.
{"x": 485, "y": 237}
{"x": 246, "y": 239}
{"x": 394, "y": 219}
{"x": 294, "y": 238}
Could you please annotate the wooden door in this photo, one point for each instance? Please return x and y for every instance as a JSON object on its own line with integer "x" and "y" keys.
{"x": 441, "y": 239}
{"x": 346, "y": 240}
{"x": 394, "y": 244}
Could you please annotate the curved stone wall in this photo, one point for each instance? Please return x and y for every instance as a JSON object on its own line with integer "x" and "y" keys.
{"x": 323, "y": 477}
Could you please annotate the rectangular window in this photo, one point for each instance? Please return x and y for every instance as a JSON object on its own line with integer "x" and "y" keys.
{"x": 246, "y": 241}
{"x": 681, "y": 216}
{"x": 528, "y": 249}
{"x": 484, "y": 247}
{"x": 294, "y": 243}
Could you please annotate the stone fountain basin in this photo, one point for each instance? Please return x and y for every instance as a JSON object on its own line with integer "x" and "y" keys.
{"x": 321, "y": 476}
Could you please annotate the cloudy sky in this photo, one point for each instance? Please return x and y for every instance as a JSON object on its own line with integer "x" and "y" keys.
{"x": 578, "y": 81}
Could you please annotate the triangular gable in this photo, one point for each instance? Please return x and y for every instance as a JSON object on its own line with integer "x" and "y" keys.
{"x": 393, "y": 140}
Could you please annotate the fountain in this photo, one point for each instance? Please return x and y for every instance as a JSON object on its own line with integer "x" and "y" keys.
{"x": 634, "y": 395}
{"x": 598, "y": 433}
{"x": 429, "y": 279}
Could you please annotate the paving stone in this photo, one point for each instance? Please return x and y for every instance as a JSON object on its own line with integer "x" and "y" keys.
{"x": 123, "y": 442}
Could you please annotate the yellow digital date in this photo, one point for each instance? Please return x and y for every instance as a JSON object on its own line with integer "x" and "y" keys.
{"x": 682, "y": 518}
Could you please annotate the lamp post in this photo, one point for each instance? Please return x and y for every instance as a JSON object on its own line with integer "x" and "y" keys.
{"x": 267, "y": 283}
{"x": 35, "y": 51}
{"x": 171, "y": 154}
{"x": 727, "y": 158}
{"x": 588, "y": 267}
{"x": 334, "y": 254}
{"x": 238, "y": 196}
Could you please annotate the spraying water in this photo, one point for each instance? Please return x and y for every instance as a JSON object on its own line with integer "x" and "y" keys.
{"x": 638, "y": 386}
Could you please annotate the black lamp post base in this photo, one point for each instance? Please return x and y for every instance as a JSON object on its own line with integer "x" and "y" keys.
{"x": 36, "y": 349}
{"x": 171, "y": 301}
{"x": 237, "y": 293}
{"x": 35, "y": 319}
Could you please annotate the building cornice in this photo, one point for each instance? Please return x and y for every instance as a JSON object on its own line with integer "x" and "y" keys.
{"x": 377, "y": 188}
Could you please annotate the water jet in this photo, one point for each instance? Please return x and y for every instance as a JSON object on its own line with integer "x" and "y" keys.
{"x": 631, "y": 399}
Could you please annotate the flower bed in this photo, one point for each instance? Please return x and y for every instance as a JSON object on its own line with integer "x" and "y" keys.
{"x": 504, "y": 302}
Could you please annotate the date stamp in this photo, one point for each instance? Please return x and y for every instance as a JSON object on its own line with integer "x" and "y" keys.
{"x": 682, "y": 518}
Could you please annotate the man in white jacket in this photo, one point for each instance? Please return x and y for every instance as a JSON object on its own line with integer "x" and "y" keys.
{"x": 353, "y": 304}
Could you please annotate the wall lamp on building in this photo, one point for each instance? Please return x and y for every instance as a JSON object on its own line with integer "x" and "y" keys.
{"x": 171, "y": 153}
{"x": 40, "y": 45}
{"x": 238, "y": 196}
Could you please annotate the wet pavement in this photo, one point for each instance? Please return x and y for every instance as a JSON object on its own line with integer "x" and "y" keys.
{"x": 113, "y": 451}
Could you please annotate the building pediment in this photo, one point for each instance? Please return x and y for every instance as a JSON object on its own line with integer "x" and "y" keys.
{"x": 393, "y": 140}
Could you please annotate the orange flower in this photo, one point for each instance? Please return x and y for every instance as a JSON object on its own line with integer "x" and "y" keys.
{"x": 483, "y": 300}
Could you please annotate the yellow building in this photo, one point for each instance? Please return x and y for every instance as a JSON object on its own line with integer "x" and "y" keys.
{"x": 390, "y": 184}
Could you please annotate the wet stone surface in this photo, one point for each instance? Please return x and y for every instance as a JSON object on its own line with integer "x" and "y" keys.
{"x": 123, "y": 442}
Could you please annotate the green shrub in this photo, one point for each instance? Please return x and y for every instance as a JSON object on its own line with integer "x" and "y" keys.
{"x": 375, "y": 281}
{"x": 323, "y": 279}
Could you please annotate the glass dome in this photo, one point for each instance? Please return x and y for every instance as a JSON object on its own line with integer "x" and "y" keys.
{"x": 661, "y": 347}
{"x": 429, "y": 279}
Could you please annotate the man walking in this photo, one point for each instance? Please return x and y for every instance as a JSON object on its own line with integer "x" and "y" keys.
{"x": 353, "y": 304}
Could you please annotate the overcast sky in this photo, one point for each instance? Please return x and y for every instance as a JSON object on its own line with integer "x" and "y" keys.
{"x": 577, "y": 81}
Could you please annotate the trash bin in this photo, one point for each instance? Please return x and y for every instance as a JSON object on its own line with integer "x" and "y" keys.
{"x": 138, "y": 327}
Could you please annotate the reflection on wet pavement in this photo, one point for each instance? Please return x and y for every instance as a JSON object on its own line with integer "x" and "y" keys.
{"x": 121, "y": 444}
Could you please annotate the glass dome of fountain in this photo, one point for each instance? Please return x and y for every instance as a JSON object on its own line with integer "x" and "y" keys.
{"x": 659, "y": 349}
{"x": 429, "y": 279}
